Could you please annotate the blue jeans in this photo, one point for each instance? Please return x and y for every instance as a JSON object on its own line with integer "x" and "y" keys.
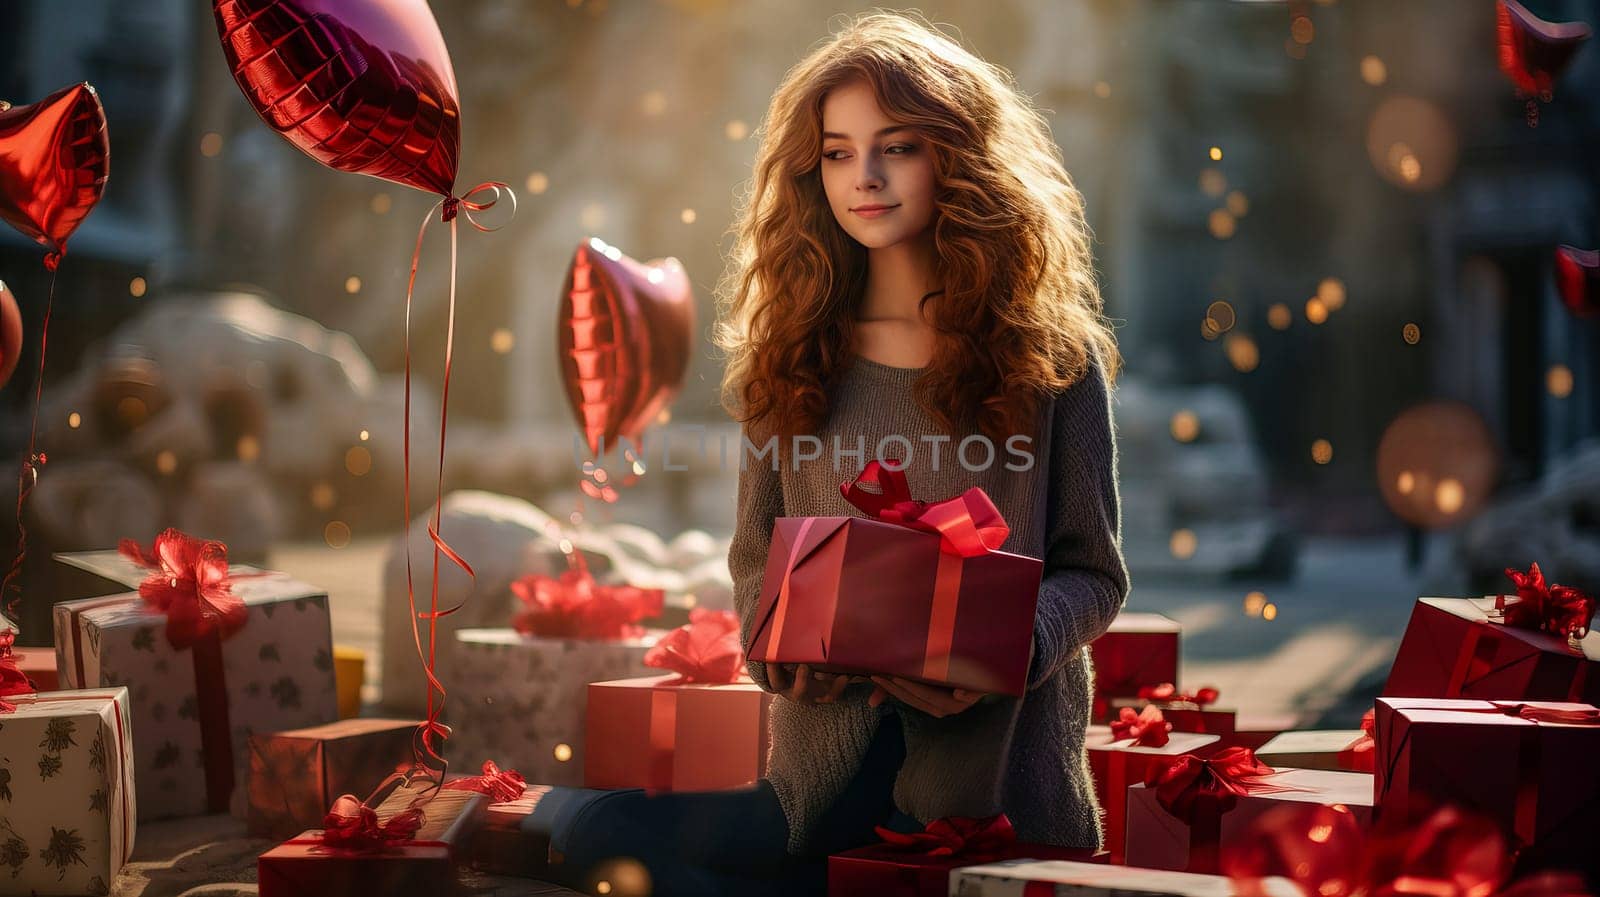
{"x": 715, "y": 843}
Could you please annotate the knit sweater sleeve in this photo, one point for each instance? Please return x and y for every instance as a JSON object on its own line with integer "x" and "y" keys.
{"x": 760, "y": 501}
{"x": 1085, "y": 580}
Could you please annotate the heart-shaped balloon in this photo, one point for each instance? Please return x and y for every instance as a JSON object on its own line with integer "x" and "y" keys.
{"x": 10, "y": 334}
{"x": 54, "y": 158}
{"x": 624, "y": 340}
{"x": 364, "y": 86}
{"x": 1578, "y": 279}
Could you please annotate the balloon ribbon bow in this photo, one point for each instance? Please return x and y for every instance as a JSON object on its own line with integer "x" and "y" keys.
{"x": 501, "y": 785}
{"x": 977, "y": 840}
{"x": 1550, "y": 607}
{"x": 1147, "y": 727}
{"x": 707, "y": 649}
{"x": 190, "y": 583}
{"x": 573, "y": 605}
{"x": 967, "y": 525}
{"x": 12, "y": 680}
{"x": 1167, "y": 693}
{"x": 352, "y": 825}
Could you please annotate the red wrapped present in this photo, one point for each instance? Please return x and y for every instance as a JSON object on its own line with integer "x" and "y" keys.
{"x": 1188, "y": 811}
{"x": 1122, "y": 762}
{"x": 296, "y": 775}
{"x": 407, "y": 845}
{"x": 1136, "y": 651}
{"x": 1527, "y": 765}
{"x": 1185, "y": 711}
{"x": 1045, "y": 878}
{"x": 919, "y": 864}
{"x": 1254, "y": 729}
{"x": 930, "y": 596}
{"x": 1534, "y": 646}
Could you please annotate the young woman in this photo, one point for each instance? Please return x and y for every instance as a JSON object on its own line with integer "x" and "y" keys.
{"x": 913, "y": 280}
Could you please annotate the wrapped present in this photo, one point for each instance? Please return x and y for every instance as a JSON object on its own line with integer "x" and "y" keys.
{"x": 1530, "y": 648}
{"x": 296, "y": 775}
{"x": 1136, "y": 651}
{"x": 1185, "y": 711}
{"x": 67, "y": 780}
{"x": 1253, "y": 729}
{"x": 1527, "y": 765}
{"x": 1035, "y": 878}
{"x": 209, "y": 656}
{"x": 1137, "y": 742}
{"x": 39, "y": 665}
{"x": 400, "y": 848}
{"x": 1336, "y": 750}
{"x": 919, "y": 864}
{"x": 931, "y": 596}
{"x": 501, "y": 847}
{"x": 701, "y": 728}
{"x": 349, "y": 672}
{"x": 1184, "y": 815}
{"x": 523, "y": 699}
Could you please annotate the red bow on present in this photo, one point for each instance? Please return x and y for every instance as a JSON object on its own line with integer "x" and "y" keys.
{"x": 1361, "y": 755}
{"x": 575, "y": 606}
{"x": 967, "y": 525}
{"x": 189, "y": 583}
{"x": 707, "y": 649}
{"x": 500, "y": 785}
{"x": 978, "y": 840}
{"x": 1167, "y": 693}
{"x": 1146, "y": 727}
{"x": 353, "y": 825}
{"x": 1189, "y": 786}
{"x": 1558, "y": 609}
{"x": 13, "y": 681}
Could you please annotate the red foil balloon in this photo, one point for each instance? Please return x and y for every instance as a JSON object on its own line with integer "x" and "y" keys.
{"x": 364, "y": 86}
{"x": 1533, "y": 52}
{"x": 54, "y": 158}
{"x": 10, "y": 334}
{"x": 624, "y": 340}
{"x": 1578, "y": 279}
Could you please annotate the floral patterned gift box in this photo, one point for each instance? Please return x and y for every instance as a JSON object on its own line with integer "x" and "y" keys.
{"x": 66, "y": 792}
{"x": 221, "y": 657}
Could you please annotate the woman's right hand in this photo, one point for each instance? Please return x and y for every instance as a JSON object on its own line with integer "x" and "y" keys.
{"x": 802, "y": 684}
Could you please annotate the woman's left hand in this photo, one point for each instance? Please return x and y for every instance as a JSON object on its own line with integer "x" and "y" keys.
{"x": 930, "y": 699}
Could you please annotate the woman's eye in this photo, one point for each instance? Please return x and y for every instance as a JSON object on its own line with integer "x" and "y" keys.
{"x": 832, "y": 154}
{"x": 903, "y": 147}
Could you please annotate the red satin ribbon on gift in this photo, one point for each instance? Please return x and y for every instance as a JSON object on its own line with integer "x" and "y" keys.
{"x": 500, "y": 785}
{"x": 1147, "y": 727}
{"x": 1167, "y": 693}
{"x": 706, "y": 649}
{"x": 977, "y": 840}
{"x": 1361, "y": 755}
{"x": 1549, "y": 607}
{"x": 967, "y": 525}
{"x": 13, "y": 681}
{"x": 1199, "y": 791}
{"x": 352, "y": 825}
{"x": 573, "y": 605}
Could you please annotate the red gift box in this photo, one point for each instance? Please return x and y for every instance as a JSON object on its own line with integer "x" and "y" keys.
{"x": 1253, "y": 730}
{"x": 878, "y": 871}
{"x": 1137, "y": 650}
{"x": 1528, "y": 765}
{"x": 296, "y": 775}
{"x": 1454, "y": 648}
{"x": 661, "y": 733}
{"x": 421, "y": 864}
{"x": 1119, "y": 764}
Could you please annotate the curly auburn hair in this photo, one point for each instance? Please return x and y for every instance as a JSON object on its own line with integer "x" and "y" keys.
{"x": 1021, "y": 312}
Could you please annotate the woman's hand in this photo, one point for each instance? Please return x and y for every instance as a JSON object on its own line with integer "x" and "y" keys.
{"x": 805, "y": 686}
{"x": 930, "y": 699}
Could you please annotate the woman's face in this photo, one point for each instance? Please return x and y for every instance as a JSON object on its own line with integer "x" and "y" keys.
{"x": 869, "y": 161}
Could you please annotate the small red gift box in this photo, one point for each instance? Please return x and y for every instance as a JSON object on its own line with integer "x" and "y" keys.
{"x": 661, "y": 733}
{"x": 296, "y": 775}
{"x": 1136, "y": 651}
{"x": 1119, "y": 764}
{"x": 1528, "y": 765}
{"x": 1159, "y": 840}
{"x": 1187, "y": 712}
{"x": 940, "y": 606}
{"x": 1454, "y": 648}
{"x": 920, "y": 866}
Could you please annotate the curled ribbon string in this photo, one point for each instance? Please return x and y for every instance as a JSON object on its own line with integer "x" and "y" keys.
{"x": 501, "y": 785}
{"x": 1167, "y": 693}
{"x": 977, "y": 840}
{"x": 28, "y": 476}
{"x": 967, "y": 525}
{"x": 1147, "y": 727}
{"x": 425, "y": 754}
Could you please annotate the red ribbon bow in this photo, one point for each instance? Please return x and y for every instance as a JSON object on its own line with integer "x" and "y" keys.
{"x": 978, "y": 840}
{"x": 13, "y": 681}
{"x": 1167, "y": 693}
{"x": 1189, "y": 786}
{"x": 500, "y": 785}
{"x": 707, "y": 649}
{"x": 353, "y": 825}
{"x": 1361, "y": 755}
{"x": 190, "y": 583}
{"x": 1558, "y": 609}
{"x": 1147, "y": 727}
{"x": 575, "y": 606}
{"x": 967, "y": 525}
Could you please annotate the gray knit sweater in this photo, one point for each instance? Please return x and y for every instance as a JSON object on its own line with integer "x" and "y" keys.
{"x": 1025, "y": 756}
